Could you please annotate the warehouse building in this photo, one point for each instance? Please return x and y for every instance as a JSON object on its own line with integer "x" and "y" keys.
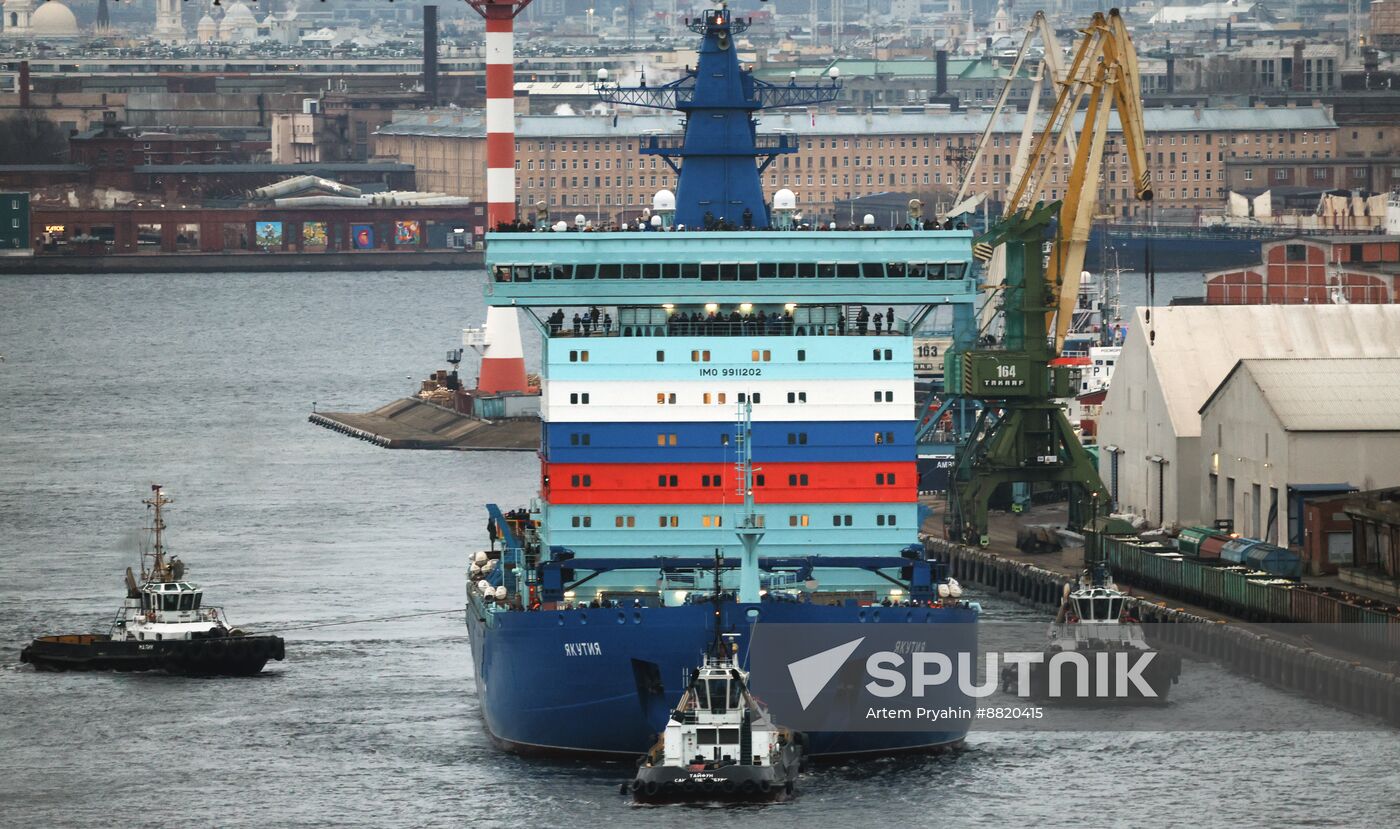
{"x": 1278, "y": 431}
{"x": 1150, "y": 430}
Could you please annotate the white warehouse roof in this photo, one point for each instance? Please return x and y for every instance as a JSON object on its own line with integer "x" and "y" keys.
{"x": 1198, "y": 345}
{"x": 1326, "y": 394}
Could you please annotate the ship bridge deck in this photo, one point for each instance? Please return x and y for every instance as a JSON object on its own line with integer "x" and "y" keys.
{"x": 893, "y": 267}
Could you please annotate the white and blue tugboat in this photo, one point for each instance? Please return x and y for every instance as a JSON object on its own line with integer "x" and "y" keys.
{"x": 593, "y": 607}
{"x": 163, "y": 625}
{"x": 719, "y": 744}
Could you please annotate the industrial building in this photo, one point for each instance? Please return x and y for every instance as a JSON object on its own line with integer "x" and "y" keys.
{"x": 1277, "y": 431}
{"x": 1150, "y": 431}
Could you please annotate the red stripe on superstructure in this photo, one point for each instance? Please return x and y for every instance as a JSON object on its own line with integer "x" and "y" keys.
{"x": 500, "y": 151}
{"x": 827, "y": 483}
{"x": 498, "y": 19}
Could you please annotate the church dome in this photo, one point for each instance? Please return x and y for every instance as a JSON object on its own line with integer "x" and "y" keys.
{"x": 238, "y": 24}
{"x": 53, "y": 19}
{"x": 206, "y": 30}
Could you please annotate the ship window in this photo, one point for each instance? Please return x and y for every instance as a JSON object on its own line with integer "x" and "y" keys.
{"x": 671, "y": 439}
{"x": 724, "y": 439}
{"x": 798, "y": 520}
{"x": 625, "y": 521}
{"x": 690, "y": 270}
{"x": 660, "y": 356}
{"x": 609, "y": 271}
{"x": 846, "y": 519}
{"x": 632, "y": 271}
{"x": 187, "y": 601}
{"x": 875, "y": 269}
{"x": 889, "y": 354}
{"x": 729, "y": 271}
{"x": 826, "y": 270}
{"x": 848, "y": 270}
{"x": 956, "y": 269}
{"x": 879, "y": 479}
{"x": 585, "y": 271}
{"x": 879, "y": 520}
{"x": 660, "y": 399}
{"x": 807, "y": 270}
{"x": 787, "y": 270}
{"x": 198, "y": 599}
{"x": 671, "y": 398}
{"x": 709, "y": 271}
{"x": 801, "y": 355}
{"x": 573, "y": 439}
{"x": 573, "y": 356}
{"x": 706, "y": 397}
{"x": 573, "y": 397}
{"x": 171, "y": 602}
{"x": 145, "y": 601}
{"x": 669, "y": 270}
{"x": 759, "y": 480}
{"x": 748, "y": 272}
{"x": 720, "y": 396}
{"x": 704, "y": 736}
{"x": 889, "y": 479}
{"x": 575, "y": 521}
{"x": 875, "y": 354}
{"x": 767, "y": 270}
{"x": 889, "y": 519}
{"x": 583, "y": 398}
{"x": 792, "y": 438}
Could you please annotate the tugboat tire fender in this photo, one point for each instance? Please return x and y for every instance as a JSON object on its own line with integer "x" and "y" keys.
{"x": 730, "y": 786}
{"x": 652, "y": 787}
{"x": 765, "y": 786}
{"x": 749, "y": 787}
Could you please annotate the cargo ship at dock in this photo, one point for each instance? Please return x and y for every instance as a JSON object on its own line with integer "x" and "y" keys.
{"x": 747, "y": 422}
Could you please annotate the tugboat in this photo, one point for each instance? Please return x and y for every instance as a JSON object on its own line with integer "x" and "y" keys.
{"x": 719, "y": 743}
{"x": 1093, "y": 624}
{"x": 162, "y": 626}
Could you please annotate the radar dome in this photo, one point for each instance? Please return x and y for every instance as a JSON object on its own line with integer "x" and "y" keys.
{"x": 784, "y": 199}
{"x": 602, "y": 76}
{"x": 868, "y": 219}
{"x": 834, "y": 72}
{"x": 53, "y": 19}
{"x": 663, "y": 200}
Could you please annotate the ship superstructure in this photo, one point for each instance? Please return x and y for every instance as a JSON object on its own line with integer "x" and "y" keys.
{"x": 758, "y": 365}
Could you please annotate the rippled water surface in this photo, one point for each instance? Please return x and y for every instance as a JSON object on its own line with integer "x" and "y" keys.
{"x": 202, "y": 382}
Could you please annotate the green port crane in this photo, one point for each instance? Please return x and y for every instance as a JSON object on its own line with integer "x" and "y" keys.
{"x": 1021, "y": 434}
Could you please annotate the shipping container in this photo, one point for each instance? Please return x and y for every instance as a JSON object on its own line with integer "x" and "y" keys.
{"x": 1190, "y": 539}
{"x": 1210, "y": 547}
{"x": 1275, "y": 561}
{"x": 1235, "y": 550}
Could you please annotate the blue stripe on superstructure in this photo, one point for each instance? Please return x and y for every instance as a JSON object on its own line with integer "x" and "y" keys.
{"x": 699, "y": 442}
{"x": 783, "y": 536}
{"x": 689, "y": 358}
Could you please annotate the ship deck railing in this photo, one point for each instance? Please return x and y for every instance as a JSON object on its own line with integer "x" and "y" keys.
{"x": 728, "y": 329}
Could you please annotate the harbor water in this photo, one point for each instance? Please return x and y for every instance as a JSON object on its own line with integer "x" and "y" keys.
{"x": 203, "y": 383}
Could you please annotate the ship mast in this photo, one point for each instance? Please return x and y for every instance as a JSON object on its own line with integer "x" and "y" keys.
{"x": 750, "y": 531}
{"x": 156, "y": 501}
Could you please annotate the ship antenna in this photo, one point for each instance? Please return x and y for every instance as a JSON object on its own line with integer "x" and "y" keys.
{"x": 749, "y": 531}
{"x": 717, "y": 645}
{"x": 156, "y": 501}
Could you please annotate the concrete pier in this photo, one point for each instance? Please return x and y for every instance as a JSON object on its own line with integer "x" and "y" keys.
{"x": 410, "y": 423}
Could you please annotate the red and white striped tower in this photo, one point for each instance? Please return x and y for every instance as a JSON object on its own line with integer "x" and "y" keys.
{"x": 502, "y": 359}
{"x": 500, "y": 106}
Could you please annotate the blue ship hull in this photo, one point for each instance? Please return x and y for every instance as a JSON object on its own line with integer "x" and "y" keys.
{"x": 602, "y": 681}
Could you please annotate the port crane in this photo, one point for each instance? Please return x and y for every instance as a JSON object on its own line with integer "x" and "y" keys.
{"x": 1021, "y": 434}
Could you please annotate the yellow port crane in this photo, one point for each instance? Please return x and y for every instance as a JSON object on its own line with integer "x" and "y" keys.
{"x": 1021, "y": 435}
{"x": 1104, "y": 68}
